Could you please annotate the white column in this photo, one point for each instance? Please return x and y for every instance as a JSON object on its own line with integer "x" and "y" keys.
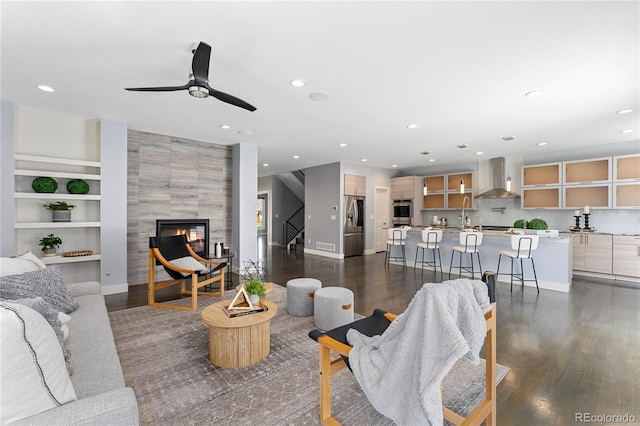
{"x": 244, "y": 202}
{"x": 113, "y": 207}
{"x": 7, "y": 143}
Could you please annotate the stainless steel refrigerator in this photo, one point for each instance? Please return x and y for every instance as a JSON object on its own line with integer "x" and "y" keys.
{"x": 353, "y": 225}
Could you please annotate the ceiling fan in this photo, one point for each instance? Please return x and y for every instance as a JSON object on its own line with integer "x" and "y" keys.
{"x": 198, "y": 85}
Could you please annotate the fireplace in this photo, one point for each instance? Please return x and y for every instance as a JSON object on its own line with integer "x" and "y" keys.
{"x": 196, "y": 230}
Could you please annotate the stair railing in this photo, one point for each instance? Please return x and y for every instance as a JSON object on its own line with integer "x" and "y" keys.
{"x": 292, "y": 227}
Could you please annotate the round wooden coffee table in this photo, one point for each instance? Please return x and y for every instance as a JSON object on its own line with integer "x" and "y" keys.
{"x": 239, "y": 341}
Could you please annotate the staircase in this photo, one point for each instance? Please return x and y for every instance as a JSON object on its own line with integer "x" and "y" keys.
{"x": 293, "y": 231}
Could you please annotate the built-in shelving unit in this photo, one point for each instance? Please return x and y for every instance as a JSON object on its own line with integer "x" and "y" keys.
{"x": 31, "y": 218}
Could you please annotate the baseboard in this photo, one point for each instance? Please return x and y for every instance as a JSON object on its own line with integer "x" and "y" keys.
{"x": 115, "y": 289}
{"x": 368, "y": 252}
{"x": 324, "y": 253}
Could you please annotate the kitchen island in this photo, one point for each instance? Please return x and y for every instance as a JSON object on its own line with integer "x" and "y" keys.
{"x": 553, "y": 257}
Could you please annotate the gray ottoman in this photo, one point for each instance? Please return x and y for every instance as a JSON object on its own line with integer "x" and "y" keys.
{"x": 333, "y": 307}
{"x": 300, "y": 296}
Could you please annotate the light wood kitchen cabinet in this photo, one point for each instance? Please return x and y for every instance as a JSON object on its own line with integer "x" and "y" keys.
{"x": 541, "y": 198}
{"x": 435, "y": 198}
{"x": 587, "y": 195}
{"x": 587, "y": 171}
{"x": 626, "y": 255}
{"x": 593, "y": 253}
{"x": 626, "y": 168}
{"x": 355, "y": 185}
{"x": 542, "y": 175}
{"x": 403, "y": 188}
{"x": 455, "y": 200}
{"x": 453, "y": 181}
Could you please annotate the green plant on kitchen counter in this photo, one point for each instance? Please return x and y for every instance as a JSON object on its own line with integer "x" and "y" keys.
{"x": 539, "y": 224}
{"x": 520, "y": 223}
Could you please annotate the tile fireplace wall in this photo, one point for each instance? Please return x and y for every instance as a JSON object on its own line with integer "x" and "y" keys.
{"x": 173, "y": 178}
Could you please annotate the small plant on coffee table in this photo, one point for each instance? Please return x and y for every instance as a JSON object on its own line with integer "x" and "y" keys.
{"x": 255, "y": 286}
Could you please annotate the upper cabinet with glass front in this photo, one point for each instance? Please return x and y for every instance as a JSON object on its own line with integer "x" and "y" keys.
{"x": 595, "y": 170}
{"x": 626, "y": 178}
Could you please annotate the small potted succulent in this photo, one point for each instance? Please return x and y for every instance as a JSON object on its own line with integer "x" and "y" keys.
{"x": 255, "y": 289}
{"x": 49, "y": 245}
{"x": 61, "y": 211}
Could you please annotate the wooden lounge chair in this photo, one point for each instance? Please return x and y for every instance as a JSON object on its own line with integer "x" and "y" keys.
{"x": 335, "y": 340}
{"x": 166, "y": 250}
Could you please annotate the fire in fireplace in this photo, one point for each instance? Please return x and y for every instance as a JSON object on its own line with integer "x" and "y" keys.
{"x": 196, "y": 230}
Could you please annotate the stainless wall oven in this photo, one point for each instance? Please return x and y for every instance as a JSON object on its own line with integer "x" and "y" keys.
{"x": 402, "y": 212}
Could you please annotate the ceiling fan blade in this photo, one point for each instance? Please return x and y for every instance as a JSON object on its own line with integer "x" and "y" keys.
{"x": 225, "y": 97}
{"x": 200, "y": 62}
{"x": 158, "y": 89}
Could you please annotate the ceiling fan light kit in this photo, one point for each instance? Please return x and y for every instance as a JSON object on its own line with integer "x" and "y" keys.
{"x": 198, "y": 85}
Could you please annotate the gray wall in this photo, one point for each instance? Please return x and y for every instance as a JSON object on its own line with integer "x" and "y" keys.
{"x": 322, "y": 192}
{"x": 174, "y": 178}
{"x": 282, "y": 203}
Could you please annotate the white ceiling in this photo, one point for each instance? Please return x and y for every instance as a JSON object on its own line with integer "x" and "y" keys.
{"x": 459, "y": 70}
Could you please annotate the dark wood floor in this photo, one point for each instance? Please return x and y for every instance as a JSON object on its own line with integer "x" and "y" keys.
{"x": 568, "y": 353}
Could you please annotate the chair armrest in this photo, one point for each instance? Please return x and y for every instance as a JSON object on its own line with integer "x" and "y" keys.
{"x": 118, "y": 407}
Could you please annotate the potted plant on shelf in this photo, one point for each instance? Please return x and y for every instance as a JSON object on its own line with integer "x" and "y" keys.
{"x": 49, "y": 245}
{"x": 61, "y": 211}
{"x": 255, "y": 289}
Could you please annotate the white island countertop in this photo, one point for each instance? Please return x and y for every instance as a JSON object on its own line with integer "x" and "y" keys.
{"x": 553, "y": 257}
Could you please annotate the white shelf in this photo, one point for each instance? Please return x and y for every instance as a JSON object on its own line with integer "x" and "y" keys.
{"x": 56, "y": 196}
{"x": 37, "y": 173}
{"x": 61, "y": 259}
{"x": 57, "y": 225}
{"x": 53, "y": 160}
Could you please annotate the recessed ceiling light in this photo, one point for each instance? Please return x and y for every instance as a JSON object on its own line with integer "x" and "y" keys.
{"x": 394, "y": 165}
{"x": 265, "y": 164}
{"x": 364, "y": 160}
{"x": 534, "y": 93}
{"x": 342, "y": 145}
{"x": 626, "y": 131}
{"x": 626, "y": 111}
{"x": 507, "y": 138}
{"x": 296, "y": 156}
{"x": 541, "y": 143}
{"x": 225, "y": 126}
{"x": 431, "y": 160}
{"x": 297, "y": 83}
{"x": 479, "y": 153}
{"x": 319, "y": 96}
{"x": 46, "y": 88}
{"x": 245, "y": 132}
{"x": 412, "y": 126}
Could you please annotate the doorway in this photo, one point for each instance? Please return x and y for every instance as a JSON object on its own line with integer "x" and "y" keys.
{"x": 262, "y": 221}
{"x": 382, "y": 206}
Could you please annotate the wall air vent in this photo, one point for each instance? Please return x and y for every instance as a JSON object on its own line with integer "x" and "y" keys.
{"x": 326, "y": 246}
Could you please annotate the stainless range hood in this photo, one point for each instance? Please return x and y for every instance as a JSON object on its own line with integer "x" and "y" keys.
{"x": 498, "y": 191}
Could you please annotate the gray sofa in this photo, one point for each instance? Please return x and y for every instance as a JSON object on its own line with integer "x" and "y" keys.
{"x": 103, "y": 398}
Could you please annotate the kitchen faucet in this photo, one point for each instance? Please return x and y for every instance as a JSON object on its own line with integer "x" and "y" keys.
{"x": 464, "y": 200}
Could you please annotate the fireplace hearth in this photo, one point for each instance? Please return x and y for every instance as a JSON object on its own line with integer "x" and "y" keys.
{"x": 196, "y": 230}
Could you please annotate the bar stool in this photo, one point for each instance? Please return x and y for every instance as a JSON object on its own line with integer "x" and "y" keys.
{"x": 430, "y": 241}
{"x": 397, "y": 237}
{"x": 521, "y": 248}
{"x": 471, "y": 241}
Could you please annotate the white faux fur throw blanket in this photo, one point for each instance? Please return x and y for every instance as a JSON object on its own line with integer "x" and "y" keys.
{"x": 401, "y": 370}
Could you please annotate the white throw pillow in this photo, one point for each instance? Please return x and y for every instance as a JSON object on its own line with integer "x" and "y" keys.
{"x": 16, "y": 266}
{"x": 190, "y": 263}
{"x": 33, "y": 259}
{"x": 33, "y": 375}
